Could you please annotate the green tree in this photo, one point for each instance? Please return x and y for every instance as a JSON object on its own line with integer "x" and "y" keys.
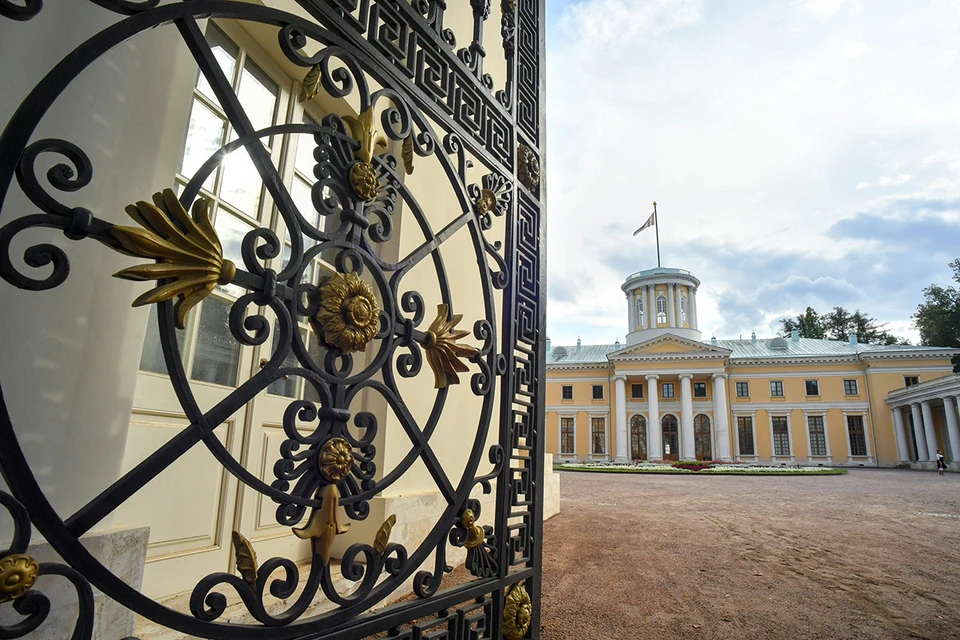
{"x": 809, "y": 324}
{"x": 938, "y": 317}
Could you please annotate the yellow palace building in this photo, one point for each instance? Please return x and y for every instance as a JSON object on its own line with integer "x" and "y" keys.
{"x": 668, "y": 395}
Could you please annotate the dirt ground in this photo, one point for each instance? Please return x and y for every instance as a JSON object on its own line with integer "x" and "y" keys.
{"x": 871, "y": 554}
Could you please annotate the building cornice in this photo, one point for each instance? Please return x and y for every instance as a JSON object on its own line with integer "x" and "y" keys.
{"x": 948, "y": 385}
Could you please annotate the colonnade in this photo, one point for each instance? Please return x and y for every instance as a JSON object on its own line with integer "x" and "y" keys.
{"x": 648, "y": 294}
{"x": 654, "y": 436}
{"x": 924, "y": 430}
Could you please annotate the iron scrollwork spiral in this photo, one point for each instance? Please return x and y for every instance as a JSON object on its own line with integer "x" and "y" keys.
{"x": 327, "y": 463}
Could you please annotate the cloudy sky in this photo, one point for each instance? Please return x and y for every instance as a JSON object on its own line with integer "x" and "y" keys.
{"x": 801, "y": 152}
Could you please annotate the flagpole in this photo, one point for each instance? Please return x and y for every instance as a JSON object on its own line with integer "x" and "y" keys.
{"x": 656, "y": 224}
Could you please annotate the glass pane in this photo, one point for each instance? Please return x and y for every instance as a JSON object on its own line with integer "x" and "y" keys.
{"x": 289, "y": 387}
{"x": 317, "y": 351}
{"x": 226, "y": 54}
{"x": 151, "y": 358}
{"x": 242, "y": 183}
{"x": 231, "y": 231}
{"x": 204, "y": 137}
{"x": 217, "y": 351}
{"x": 304, "y": 161}
{"x": 258, "y": 95}
{"x": 300, "y": 192}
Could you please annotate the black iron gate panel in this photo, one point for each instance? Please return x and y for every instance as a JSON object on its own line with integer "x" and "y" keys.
{"x": 412, "y": 96}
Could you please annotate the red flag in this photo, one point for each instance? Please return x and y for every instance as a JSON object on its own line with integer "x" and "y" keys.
{"x": 652, "y": 220}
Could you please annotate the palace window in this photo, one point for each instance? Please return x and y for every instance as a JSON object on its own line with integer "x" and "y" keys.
{"x": 743, "y": 389}
{"x": 776, "y": 388}
{"x": 813, "y": 387}
{"x": 640, "y": 311}
{"x": 668, "y": 390}
{"x": 683, "y": 310}
{"x": 566, "y": 392}
{"x": 745, "y": 435}
{"x": 566, "y": 436}
{"x": 598, "y": 392}
{"x": 598, "y": 435}
{"x": 850, "y": 388}
{"x": 661, "y": 308}
{"x": 818, "y": 436}
{"x": 909, "y": 381}
{"x": 858, "y": 436}
{"x": 636, "y": 390}
{"x": 781, "y": 436}
{"x": 699, "y": 389}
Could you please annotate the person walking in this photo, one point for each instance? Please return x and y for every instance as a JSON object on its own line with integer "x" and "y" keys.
{"x": 941, "y": 464}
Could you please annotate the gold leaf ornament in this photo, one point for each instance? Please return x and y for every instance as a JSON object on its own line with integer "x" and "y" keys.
{"x": 246, "y": 558}
{"x": 382, "y": 538}
{"x": 349, "y": 315}
{"x": 187, "y": 249}
{"x": 363, "y": 176}
{"x": 18, "y": 573}
{"x": 323, "y": 526}
{"x": 517, "y": 611}
{"x": 406, "y": 152}
{"x": 443, "y": 352}
{"x": 474, "y": 531}
{"x": 311, "y": 84}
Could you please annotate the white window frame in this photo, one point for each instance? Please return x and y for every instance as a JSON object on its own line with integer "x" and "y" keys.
{"x": 603, "y": 393}
{"x": 736, "y": 388}
{"x": 683, "y": 309}
{"x": 572, "y": 455}
{"x": 661, "y": 309}
{"x": 638, "y": 310}
{"x": 606, "y": 435}
{"x": 782, "y": 391}
{"x": 773, "y": 456}
{"x": 826, "y": 435}
{"x": 865, "y": 416}
{"x": 639, "y": 397}
{"x": 673, "y": 391}
{"x": 856, "y": 387}
{"x": 816, "y": 381}
{"x": 562, "y": 388}
{"x": 753, "y": 430}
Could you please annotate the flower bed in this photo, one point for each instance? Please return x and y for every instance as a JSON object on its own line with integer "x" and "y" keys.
{"x": 712, "y": 467}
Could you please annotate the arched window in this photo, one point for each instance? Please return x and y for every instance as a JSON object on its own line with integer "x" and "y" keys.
{"x": 683, "y": 309}
{"x": 661, "y": 308}
{"x": 638, "y": 437}
{"x": 640, "y": 312}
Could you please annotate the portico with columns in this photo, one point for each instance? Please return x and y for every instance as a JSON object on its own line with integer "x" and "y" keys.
{"x": 926, "y": 418}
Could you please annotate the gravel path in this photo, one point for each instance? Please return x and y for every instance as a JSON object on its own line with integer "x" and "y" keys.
{"x": 872, "y": 554}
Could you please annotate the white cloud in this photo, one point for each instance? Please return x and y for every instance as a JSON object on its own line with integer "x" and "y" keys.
{"x": 886, "y": 181}
{"x": 823, "y": 8}
{"x": 602, "y": 22}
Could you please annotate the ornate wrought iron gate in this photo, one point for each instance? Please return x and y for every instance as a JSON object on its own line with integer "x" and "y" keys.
{"x": 414, "y": 90}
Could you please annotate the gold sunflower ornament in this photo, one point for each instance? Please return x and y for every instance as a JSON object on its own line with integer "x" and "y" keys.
{"x": 349, "y": 315}
{"x": 517, "y": 609}
{"x": 443, "y": 352}
{"x": 336, "y": 458}
{"x": 187, "y": 251}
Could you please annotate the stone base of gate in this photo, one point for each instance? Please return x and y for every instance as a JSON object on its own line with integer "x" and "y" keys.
{"x": 122, "y": 551}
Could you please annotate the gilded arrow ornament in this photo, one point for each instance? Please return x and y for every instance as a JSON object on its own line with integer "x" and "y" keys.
{"x": 382, "y": 539}
{"x": 187, "y": 251}
{"x": 323, "y": 526}
{"x": 443, "y": 352}
{"x": 363, "y": 176}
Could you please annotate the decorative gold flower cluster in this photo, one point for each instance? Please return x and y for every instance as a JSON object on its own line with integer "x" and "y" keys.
{"x": 349, "y": 315}
{"x": 335, "y": 460}
{"x": 18, "y": 572}
{"x": 362, "y": 174}
{"x": 187, "y": 251}
{"x": 517, "y": 609}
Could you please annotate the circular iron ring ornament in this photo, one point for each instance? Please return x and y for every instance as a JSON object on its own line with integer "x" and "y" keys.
{"x": 275, "y": 290}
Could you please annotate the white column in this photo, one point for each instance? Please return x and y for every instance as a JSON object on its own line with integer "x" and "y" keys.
{"x": 686, "y": 417}
{"x": 654, "y": 434}
{"x": 720, "y": 415}
{"x": 621, "y": 388}
{"x": 903, "y": 452}
{"x": 671, "y": 309}
{"x": 918, "y": 434}
{"x": 953, "y": 431}
{"x": 692, "y": 297}
{"x": 676, "y": 301}
{"x": 631, "y": 311}
{"x": 928, "y": 429}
